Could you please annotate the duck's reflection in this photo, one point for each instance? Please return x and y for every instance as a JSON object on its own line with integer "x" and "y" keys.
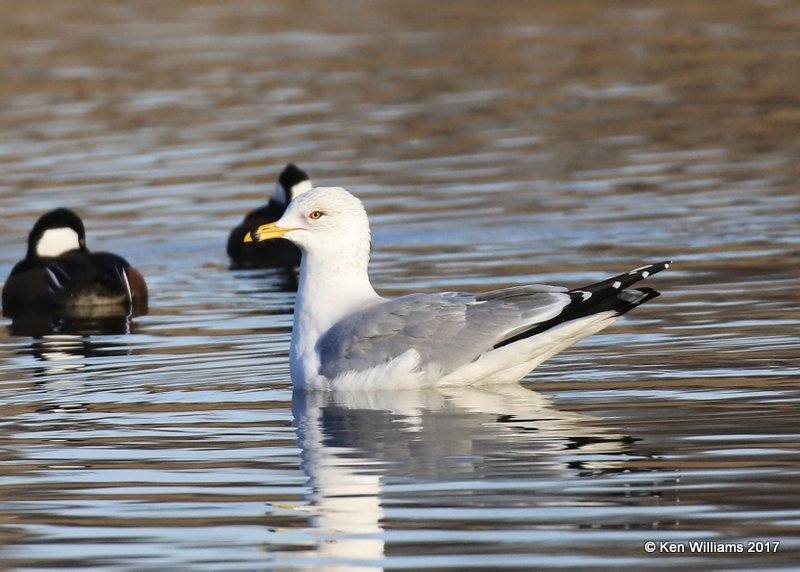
{"x": 64, "y": 347}
{"x": 40, "y": 325}
{"x": 268, "y": 279}
{"x": 353, "y": 444}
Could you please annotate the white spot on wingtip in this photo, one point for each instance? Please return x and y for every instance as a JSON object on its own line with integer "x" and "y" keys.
{"x": 616, "y": 284}
{"x": 637, "y": 270}
{"x": 586, "y": 295}
{"x": 645, "y": 274}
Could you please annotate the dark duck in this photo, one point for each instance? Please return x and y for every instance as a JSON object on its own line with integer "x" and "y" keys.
{"x": 60, "y": 277}
{"x": 280, "y": 253}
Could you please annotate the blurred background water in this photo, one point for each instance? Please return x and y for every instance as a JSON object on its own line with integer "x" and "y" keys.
{"x": 494, "y": 144}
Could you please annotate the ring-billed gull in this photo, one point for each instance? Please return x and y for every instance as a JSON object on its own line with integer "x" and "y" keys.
{"x": 346, "y": 336}
{"x": 292, "y": 182}
{"x": 60, "y": 277}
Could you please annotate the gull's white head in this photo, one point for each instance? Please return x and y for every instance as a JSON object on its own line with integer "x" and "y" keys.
{"x": 326, "y": 220}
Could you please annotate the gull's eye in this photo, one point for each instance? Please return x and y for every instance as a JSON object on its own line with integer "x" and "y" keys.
{"x": 315, "y": 215}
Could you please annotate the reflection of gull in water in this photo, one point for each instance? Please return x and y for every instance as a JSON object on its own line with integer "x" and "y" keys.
{"x": 353, "y": 443}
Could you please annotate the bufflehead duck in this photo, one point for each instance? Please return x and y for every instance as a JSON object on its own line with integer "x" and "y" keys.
{"x": 59, "y": 276}
{"x": 292, "y": 182}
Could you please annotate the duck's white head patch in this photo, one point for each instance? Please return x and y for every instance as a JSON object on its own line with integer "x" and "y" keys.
{"x": 57, "y": 241}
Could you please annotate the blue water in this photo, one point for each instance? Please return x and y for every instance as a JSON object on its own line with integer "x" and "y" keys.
{"x": 491, "y": 148}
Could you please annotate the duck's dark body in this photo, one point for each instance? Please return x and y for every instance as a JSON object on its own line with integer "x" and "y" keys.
{"x": 76, "y": 283}
{"x": 278, "y": 253}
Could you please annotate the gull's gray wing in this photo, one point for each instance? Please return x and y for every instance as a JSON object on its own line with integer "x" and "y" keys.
{"x": 453, "y": 329}
{"x": 449, "y": 329}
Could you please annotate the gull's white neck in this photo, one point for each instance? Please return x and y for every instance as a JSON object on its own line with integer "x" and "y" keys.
{"x": 331, "y": 286}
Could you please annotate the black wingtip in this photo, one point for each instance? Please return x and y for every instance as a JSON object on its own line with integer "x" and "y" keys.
{"x": 651, "y": 269}
{"x": 609, "y": 295}
{"x": 645, "y": 294}
{"x": 622, "y": 281}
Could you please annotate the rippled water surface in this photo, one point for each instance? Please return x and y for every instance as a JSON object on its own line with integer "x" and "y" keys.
{"x": 494, "y": 144}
